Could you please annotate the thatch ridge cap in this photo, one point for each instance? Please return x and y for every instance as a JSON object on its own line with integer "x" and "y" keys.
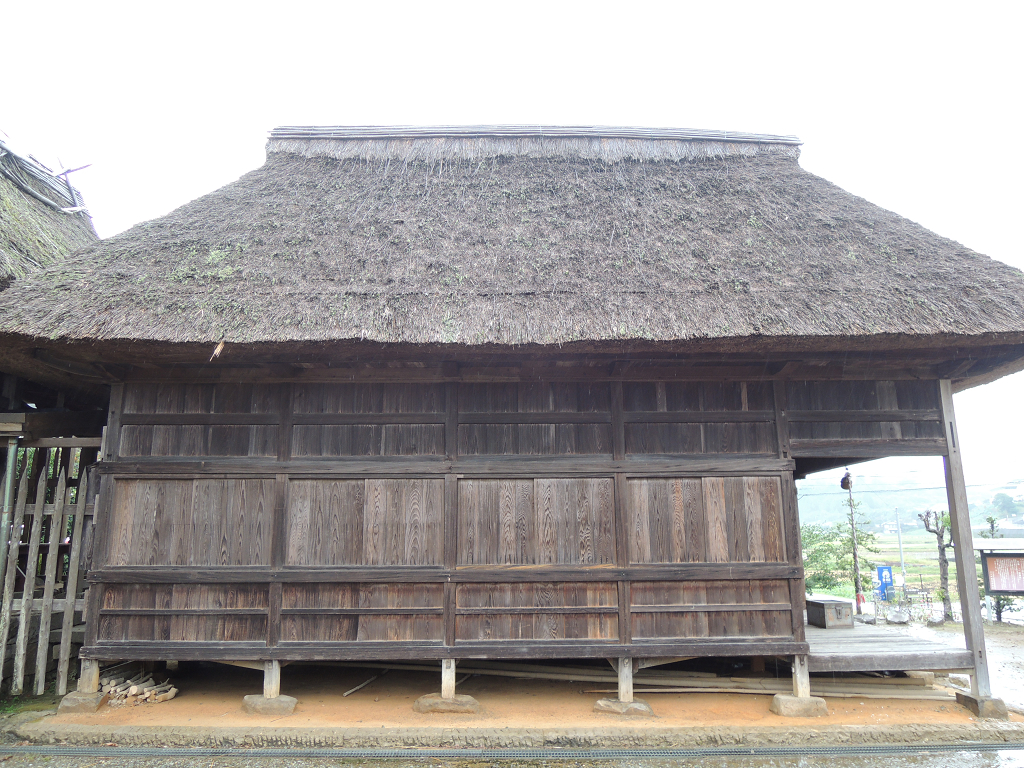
{"x": 386, "y": 132}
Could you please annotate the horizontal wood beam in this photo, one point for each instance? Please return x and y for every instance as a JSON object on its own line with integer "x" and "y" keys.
{"x": 883, "y": 416}
{"x": 190, "y": 419}
{"x": 476, "y": 574}
{"x": 697, "y": 417}
{"x": 880, "y": 661}
{"x": 377, "y": 611}
{"x": 184, "y": 612}
{"x": 395, "y": 650}
{"x": 711, "y": 607}
{"x": 873, "y": 449}
{"x": 501, "y": 466}
{"x": 541, "y": 609}
{"x": 60, "y": 442}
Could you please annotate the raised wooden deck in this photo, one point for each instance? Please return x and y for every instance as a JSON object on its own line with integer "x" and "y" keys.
{"x": 865, "y": 648}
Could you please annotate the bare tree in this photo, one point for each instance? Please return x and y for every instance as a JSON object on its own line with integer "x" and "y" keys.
{"x": 938, "y": 524}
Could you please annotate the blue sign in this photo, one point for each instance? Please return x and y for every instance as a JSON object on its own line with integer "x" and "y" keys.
{"x": 884, "y": 581}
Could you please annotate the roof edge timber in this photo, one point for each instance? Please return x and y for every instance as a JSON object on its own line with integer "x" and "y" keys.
{"x": 522, "y": 131}
{"x": 609, "y": 144}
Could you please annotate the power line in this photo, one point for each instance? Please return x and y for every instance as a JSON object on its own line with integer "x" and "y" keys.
{"x": 889, "y": 490}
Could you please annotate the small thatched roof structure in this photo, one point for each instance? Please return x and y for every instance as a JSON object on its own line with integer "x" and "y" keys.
{"x": 42, "y": 217}
{"x": 586, "y": 238}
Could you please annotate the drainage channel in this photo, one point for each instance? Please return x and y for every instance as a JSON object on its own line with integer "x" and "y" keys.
{"x": 508, "y": 754}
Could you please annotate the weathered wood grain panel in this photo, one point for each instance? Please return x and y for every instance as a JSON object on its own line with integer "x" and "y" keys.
{"x": 191, "y": 522}
{"x": 369, "y": 398}
{"x": 200, "y": 398}
{"x": 190, "y": 440}
{"x": 536, "y": 522}
{"x": 846, "y": 407}
{"x": 183, "y": 612}
{"x": 537, "y": 611}
{"x": 365, "y": 522}
{"x": 368, "y": 612}
{"x": 710, "y": 609}
{"x": 714, "y": 519}
{"x": 368, "y": 440}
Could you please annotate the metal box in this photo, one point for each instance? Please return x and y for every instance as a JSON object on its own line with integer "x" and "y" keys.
{"x": 829, "y": 613}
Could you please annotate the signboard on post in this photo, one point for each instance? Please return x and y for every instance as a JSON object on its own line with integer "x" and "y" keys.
{"x": 1003, "y": 573}
{"x": 884, "y": 581}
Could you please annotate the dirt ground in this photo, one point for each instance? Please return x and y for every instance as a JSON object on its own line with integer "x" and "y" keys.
{"x": 211, "y": 695}
{"x": 1005, "y": 646}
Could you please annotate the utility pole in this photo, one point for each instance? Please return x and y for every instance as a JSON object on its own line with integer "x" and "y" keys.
{"x": 847, "y": 484}
{"x": 899, "y": 537}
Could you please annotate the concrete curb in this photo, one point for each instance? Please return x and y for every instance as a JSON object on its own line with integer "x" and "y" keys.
{"x": 42, "y": 732}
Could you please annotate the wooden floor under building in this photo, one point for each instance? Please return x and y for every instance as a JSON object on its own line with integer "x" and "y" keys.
{"x": 867, "y": 648}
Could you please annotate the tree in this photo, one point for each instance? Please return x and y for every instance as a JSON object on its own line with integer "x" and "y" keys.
{"x": 1003, "y": 504}
{"x": 999, "y": 602}
{"x": 828, "y": 553}
{"x": 854, "y": 539}
{"x": 822, "y": 553}
{"x": 938, "y": 524}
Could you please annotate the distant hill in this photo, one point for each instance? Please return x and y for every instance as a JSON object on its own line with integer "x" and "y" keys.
{"x": 913, "y": 486}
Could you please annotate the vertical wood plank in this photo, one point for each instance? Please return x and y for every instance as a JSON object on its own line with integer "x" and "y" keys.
{"x": 71, "y": 588}
{"x": 618, "y": 424}
{"x": 28, "y": 595}
{"x": 696, "y": 522}
{"x": 736, "y": 522}
{"x": 622, "y": 514}
{"x": 112, "y": 434}
{"x": 639, "y": 533}
{"x": 791, "y": 536}
{"x": 58, "y": 524}
{"x": 966, "y": 566}
{"x": 781, "y": 419}
{"x": 17, "y": 520}
{"x": 752, "y": 493}
{"x": 715, "y": 517}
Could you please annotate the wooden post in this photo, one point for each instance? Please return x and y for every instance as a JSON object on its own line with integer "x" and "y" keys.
{"x": 271, "y": 679}
{"x": 448, "y": 678}
{"x": 27, "y": 595}
{"x": 801, "y": 678}
{"x": 625, "y": 680}
{"x": 963, "y": 543}
{"x": 89, "y": 679}
{"x": 7, "y": 502}
{"x": 58, "y": 525}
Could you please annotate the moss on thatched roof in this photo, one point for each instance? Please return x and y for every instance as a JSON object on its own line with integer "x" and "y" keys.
{"x": 521, "y": 237}
{"x": 42, "y": 218}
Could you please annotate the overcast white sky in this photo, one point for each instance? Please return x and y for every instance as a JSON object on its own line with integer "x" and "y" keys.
{"x": 914, "y": 106}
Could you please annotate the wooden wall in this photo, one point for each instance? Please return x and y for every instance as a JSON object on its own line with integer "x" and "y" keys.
{"x": 468, "y": 518}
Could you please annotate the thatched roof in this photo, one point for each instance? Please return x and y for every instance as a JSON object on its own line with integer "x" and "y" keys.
{"x": 523, "y": 236}
{"x": 42, "y": 217}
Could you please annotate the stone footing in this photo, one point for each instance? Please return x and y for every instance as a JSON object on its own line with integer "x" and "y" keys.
{"x": 634, "y": 708}
{"x": 76, "y": 701}
{"x": 433, "y": 703}
{"x": 261, "y": 705}
{"x": 993, "y": 709}
{"x": 798, "y": 706}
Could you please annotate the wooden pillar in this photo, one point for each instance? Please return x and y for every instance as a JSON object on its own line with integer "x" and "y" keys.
{"x": 7, "y": 499}
{"x": 801, "y": 678}
{"x": 448, "y": 678}
{"x": 271, "y": 679}
{"x": 963, "y": 543}
{"x": 89, "y": 679}
{"x": 625, "y": 680}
